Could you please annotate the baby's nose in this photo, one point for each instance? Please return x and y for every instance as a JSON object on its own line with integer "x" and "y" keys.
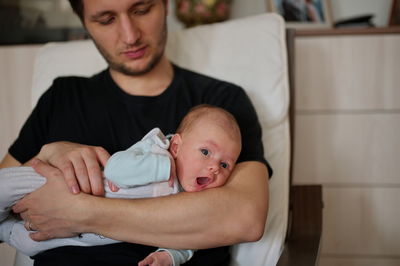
{"x": 214, "y": 168}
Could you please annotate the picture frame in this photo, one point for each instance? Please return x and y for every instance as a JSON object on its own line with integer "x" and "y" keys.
{"x": 394, "y": 18}
{"x": 34, "y": 22}
{"x": 303, "y": 13}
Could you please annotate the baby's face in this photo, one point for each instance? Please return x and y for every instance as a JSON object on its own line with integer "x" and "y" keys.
{"x": 206, "y": 157}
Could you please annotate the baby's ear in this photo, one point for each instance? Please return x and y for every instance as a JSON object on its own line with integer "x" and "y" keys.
{"x": 174, "y": 144}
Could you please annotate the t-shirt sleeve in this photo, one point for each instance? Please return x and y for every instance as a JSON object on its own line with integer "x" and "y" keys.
{"x": 33, "y": 134}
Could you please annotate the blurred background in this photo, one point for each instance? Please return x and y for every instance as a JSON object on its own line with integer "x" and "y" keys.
{"x": 347, "y": 107}
{"x": 38, "y": 21}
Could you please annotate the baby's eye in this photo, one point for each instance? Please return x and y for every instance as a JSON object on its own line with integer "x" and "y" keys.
{"x": 224, "y": 165}
{"x": 204, "y": 152}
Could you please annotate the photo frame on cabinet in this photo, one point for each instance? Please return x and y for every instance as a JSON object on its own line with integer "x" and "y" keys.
{"x": 303, "y": 13}
{"x": 394, "y": 18}
{"x": 32, "y": 22}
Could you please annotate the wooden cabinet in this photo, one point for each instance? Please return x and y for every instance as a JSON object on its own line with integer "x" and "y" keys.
{"x": 347, "y": 123}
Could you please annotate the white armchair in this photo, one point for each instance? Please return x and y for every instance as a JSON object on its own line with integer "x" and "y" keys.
{"x": 250, "y": 52}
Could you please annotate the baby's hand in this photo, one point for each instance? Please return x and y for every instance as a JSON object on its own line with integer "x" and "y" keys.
{"x": 172, "y": 174}
{"x": 158, "y": 258}
{"x": 112, "y": 186}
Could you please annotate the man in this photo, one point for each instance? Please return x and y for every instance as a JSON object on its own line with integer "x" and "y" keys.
{"x": 113, "y": 109}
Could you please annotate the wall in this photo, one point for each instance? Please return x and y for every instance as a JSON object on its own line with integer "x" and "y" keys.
{"x": 16, "y": 70}
{"x": 342, "y": 9}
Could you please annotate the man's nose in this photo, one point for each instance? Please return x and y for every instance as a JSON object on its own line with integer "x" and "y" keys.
{"x": 129, "y": 30}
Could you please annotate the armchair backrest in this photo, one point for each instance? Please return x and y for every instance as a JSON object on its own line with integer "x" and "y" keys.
{"x": 250, "y": 52}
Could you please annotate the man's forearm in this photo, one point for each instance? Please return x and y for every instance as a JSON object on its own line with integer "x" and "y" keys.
{"x": 233, "y": 213}
{"x": 9, "y": 161}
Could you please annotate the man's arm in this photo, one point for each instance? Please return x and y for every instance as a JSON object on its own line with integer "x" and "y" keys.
{"x": 9, "y": 161}
{"x": 227, "y": 215}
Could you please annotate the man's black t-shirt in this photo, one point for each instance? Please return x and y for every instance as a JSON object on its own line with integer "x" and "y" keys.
{"x": 95, "y": 111}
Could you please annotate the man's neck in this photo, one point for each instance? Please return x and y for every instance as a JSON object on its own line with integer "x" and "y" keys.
{"x": 153, "y": 83}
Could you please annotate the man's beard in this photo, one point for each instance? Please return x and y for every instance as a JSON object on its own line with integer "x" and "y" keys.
{"x": 124, "y": 69}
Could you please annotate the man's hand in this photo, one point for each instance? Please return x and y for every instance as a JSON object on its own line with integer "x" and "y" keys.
{"x": 47, "y": 209}
{"x": 158, "y": 258}
{"x": 81, "y": 165}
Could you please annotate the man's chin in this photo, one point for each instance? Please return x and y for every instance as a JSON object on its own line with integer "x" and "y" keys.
{"x": 130, "y": 70}
{"x": 134, "y": 70}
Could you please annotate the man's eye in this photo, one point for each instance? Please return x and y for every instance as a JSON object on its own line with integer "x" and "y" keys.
{"x": 204, "y": 151}
{"x": 224, "y": 165}
{"x": 142, "y": 11}
{"x": 106, "y": 21}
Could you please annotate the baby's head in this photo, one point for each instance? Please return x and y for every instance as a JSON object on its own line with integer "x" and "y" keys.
{"x": 205, "y": 148}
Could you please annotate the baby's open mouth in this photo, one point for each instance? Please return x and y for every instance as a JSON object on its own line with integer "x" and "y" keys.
{"x": 202, "y": 181}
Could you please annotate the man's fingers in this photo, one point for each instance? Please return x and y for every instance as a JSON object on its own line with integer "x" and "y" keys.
{"x": 20, "y": 207}
{"x": 29, "y": 226}
{"x": 69, "y": 176}
{"x": 97, "y": 184}
{"x": 72, "y": 183}
{"x": 102, "y": 155}
{"x": 44, "y": 169}
{"x": 81, "y": 174}
{"x": 147, "y": 261}
{"x": 81, "y": 165}
{"x": 40, "y": 236}
{"x": 94, "y": 172}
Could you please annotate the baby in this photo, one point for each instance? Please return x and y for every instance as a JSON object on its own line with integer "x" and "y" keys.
{"x": 201, "y": 155}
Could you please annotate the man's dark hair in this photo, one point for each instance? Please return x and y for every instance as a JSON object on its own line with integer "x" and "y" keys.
{"x": 77, "y": 6}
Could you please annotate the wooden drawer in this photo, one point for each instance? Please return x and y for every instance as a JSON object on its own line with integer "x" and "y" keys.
{"x": 361, "y": 221}
{"x": 348, "y": 72}
{"x": 347, "y": 149}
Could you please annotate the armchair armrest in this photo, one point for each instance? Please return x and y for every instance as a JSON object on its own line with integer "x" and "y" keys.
{"x": 305, "y": 226}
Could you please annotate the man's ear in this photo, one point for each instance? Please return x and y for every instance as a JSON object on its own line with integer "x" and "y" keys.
{"x": 174, "y": 144}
